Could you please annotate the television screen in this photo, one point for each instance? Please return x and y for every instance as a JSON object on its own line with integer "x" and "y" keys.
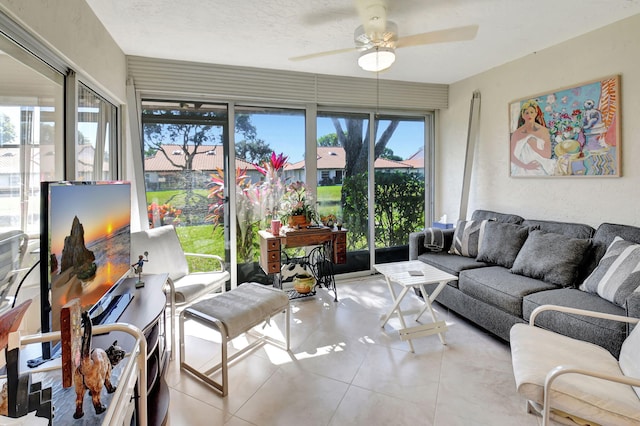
{"x": 85, "y": 245}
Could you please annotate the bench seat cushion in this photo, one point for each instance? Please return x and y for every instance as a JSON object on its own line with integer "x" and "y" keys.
{"x": 242, "y": 308}
{"x": 536, "y": 351}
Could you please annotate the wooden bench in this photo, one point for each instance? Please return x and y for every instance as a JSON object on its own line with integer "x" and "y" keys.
{"x": 231, "y": 314}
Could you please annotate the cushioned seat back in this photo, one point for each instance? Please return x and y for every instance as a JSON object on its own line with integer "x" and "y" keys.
{"x": 630, "y": 357}
{"x": 572, "y": 230}
{"x": 500, "y": 217}
{"x": 604, "y": 236}
{"x": 165, "y": 252}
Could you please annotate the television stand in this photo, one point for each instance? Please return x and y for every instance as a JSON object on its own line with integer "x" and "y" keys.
{"x": 114, "y": 309}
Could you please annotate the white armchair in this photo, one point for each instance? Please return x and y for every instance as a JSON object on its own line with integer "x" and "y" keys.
{"x": 575, "y": 382}
{"x": 167, "y": 257}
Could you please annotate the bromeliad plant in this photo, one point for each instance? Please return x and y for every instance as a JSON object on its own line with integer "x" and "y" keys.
{"x": 256, "y": 202}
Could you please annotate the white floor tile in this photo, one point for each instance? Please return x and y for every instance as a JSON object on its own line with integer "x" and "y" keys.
{"x": 344, "y": 368}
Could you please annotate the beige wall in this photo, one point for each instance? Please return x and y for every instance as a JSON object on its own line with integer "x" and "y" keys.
{"x": 71, "y": 29}
{"x": 608, "y": 51}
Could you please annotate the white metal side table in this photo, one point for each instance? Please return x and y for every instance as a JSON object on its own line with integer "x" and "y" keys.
{"x": 409, "y": 274}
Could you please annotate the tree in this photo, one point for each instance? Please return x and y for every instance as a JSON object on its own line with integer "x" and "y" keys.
{"x": 7, "y": 130}
{"x": 254, "y": 152}
{"x": 355, "y": 142}
{"x": 189, "y": 129}
{"x": 389, "y": 155}
{"x": 328, "y": 140}
{"x": 356, "y": 145}
{"x": 250, "y": 149}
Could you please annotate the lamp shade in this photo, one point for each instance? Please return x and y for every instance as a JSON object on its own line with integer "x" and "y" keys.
{"x": 376, "y": 59}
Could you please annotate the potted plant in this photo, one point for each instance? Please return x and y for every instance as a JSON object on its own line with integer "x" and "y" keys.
{"x": 297, "y": 207}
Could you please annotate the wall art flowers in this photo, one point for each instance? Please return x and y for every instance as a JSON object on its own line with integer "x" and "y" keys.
{"x": 573, "y": 131}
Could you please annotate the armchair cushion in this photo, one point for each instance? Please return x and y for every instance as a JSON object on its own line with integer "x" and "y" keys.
{"x": 536, "y": 351}
{"x": 630, "y": 357}
{"x": 165, "y": 252}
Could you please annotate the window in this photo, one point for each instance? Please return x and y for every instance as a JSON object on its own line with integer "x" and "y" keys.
{"x": 183, "y": 148}
{"x": 343, "y": 149}
{"x": 31, "y": 135}
{"x": 95, "y": 149}
{"x": 399, "y": 183}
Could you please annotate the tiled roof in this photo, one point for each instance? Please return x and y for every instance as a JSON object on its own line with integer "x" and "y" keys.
{"x": 333, "y": 158}
{"x": 208, "y": 157}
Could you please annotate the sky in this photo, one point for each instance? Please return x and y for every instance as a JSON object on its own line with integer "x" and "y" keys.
{"x": 285, "y": 133}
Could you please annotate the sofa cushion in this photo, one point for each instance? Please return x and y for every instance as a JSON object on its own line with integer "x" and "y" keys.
{"x": 602, "y": 332}
{"x": 449, "y": 263}
{"x": 573, "y": 230}
{"x": 618, "y": 273}
{"x": 497, "y": 286}
{"x": 501, "y": 243}
{"x": 551, "y": 257}
{"x": 498, "y": 217}
{"x": 604, "y": 236}
{"x": 467, "y": 237}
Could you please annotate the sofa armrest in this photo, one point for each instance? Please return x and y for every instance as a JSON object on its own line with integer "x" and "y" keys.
{"x": 539, "y": 309}
{"x": 209, "y": 256}
{"x": 416, "y": 242}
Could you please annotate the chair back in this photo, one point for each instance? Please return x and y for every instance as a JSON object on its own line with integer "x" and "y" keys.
{"x": 13, "y": 246}
{"x": 630, "y": 356}
{"x": 165, "y": 251}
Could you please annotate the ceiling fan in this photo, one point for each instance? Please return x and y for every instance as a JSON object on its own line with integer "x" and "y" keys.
{"x": 377, "y": 38}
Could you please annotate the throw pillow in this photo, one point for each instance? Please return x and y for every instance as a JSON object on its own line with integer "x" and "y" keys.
{"x": 617, "y": 274}
{"x": 467, "y": 237}
{"x": 433, "y": 239}
{"x": 501, "y": 243}
{"x": 551, "y": 257}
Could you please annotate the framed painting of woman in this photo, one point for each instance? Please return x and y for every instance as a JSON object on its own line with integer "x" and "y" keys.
{"x": 573, "y": 131}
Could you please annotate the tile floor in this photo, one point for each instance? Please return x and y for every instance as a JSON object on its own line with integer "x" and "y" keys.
{"x": 344, "y": 369}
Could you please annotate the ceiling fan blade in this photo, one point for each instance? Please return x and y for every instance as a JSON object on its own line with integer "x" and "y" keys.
{"x": 321, "y": 54}
{"x": 443, "y": 36}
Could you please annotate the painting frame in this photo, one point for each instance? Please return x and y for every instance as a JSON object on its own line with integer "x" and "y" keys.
{"x": 569, "y": 132}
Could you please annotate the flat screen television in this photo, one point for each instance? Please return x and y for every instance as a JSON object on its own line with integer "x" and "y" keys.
{"x": 85, "y": 245}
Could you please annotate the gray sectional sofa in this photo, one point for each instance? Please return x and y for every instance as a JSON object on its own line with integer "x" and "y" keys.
{"x": 515, "y": 271}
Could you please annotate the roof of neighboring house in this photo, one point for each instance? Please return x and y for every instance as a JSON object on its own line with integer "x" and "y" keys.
{"x": 208, "y": 157}
{"x": 416, "y": 160}
{"x": 333, "y": 157}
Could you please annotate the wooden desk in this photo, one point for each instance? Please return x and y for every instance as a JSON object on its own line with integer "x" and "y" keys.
{"x": 332, "y": 249}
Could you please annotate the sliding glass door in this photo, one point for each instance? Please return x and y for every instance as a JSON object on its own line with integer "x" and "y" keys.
{"x": 183, "y": 152}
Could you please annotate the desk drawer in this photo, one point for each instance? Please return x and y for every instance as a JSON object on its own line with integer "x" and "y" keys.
{"x": 273, "y": 256}
{"x": 339, "y": 253}
{"x": 273, "y": 267}
{"x": 273, "y": 244}
{"x": 341, "y": 238}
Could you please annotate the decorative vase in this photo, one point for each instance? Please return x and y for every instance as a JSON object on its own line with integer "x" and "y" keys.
{"x": 303, "y": 285}
{"x": 298, "y": 221}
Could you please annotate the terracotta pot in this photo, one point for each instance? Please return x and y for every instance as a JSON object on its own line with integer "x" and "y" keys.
{"x": 299, "y": 221}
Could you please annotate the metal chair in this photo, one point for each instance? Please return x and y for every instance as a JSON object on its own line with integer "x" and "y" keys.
{"x": 575, "y": 382}
{"x": 167, "y": 256}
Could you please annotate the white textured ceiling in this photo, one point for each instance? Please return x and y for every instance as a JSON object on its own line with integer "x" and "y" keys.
{"x": 266, "y": 33}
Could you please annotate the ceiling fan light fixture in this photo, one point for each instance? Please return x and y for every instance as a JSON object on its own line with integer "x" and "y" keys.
{"x": 377, "y": 59}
